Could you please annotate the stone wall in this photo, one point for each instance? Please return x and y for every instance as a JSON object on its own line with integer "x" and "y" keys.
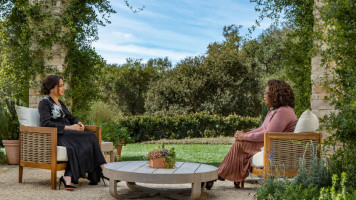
{"x": 319, "y": 74}
{"x": 57, "y": 61}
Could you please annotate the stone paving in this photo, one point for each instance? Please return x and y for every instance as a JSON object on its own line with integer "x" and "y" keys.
{"x": 36, "y": 185}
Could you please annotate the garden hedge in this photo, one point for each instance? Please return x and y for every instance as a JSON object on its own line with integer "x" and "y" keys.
{"x": 145, "y": 128}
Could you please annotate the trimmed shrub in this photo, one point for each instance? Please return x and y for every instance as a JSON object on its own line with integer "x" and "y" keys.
{"x": 144, "y": 127}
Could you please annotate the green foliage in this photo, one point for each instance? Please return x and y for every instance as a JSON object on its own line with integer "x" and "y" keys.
{"x": 343, "y": 160}
{"x": 216, "y": 83}
{"x": 339, "y": 19}
{"x": 284, "y": 189}
{"x": 9, "y": 128}
{"x": 266, "y": 52}
{"x": 334, "y": 193}
{"x": 2, "y": 157}
{"x": 128, "y": 83}
{"x": 317, "y": 175}
{"x": 297, "y": 44}
{"x": 83, "y": 73}
{"x": 101, "y": 111}
{"x": 15, "y": 54}
{"x": 31, "y": 31}
{"x": 306, "y": 185}
{"x": 114, "y": 133}
{"x": 144, "y": 128}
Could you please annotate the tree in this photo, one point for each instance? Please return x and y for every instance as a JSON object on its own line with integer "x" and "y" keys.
{"x": 127, "y": 84}
{"x": 30, "y": 30}
{"x": 216, "y": 83}
{"x": 298, "y": 44}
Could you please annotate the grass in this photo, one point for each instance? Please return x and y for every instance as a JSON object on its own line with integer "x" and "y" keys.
{"x": 201, "y": 150}
{"x": 211, "y": 154}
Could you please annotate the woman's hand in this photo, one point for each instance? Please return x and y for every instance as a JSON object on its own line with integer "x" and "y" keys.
{"x": 239, "y": 136}
{"x": 74, "y": 127}
{"x": 81, "y": 126}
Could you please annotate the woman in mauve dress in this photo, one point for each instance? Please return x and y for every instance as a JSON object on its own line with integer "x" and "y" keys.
{"x": 84, "y": 154}
{"x": 279, "y": 97}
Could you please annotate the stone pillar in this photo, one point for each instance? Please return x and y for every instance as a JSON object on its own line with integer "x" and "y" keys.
{"x": 319, "y": 74}
{"x": 57, "y": 61}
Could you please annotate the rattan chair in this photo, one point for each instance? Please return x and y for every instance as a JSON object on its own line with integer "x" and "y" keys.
{"x": 38, "y": 149}
{"x": 285, "y": 150}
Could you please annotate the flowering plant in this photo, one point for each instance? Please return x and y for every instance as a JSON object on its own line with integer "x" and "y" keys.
{"x": 169, "y": 156}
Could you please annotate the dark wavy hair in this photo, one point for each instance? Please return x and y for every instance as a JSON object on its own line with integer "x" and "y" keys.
{"x": 49, "y": 83}
{"x": 280, "y": 94}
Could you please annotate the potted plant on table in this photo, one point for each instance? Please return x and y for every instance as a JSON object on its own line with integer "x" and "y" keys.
{"x": 116, "y": 134}
{"x": 162, "y": 157}
{"x": 9, "y": 131}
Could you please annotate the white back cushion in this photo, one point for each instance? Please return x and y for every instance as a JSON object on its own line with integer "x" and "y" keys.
{"x": 308, "y": 122}
{"x": 31, "y": 117}
{"x": 28, "y": 116}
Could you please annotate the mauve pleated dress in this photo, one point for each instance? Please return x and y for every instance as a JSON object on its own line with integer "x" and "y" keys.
{"x": 236, "y": 164}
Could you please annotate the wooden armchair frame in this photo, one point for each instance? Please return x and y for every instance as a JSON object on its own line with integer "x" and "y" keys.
{"x": 285, "y": 149}
{"x": 38, "y": 149}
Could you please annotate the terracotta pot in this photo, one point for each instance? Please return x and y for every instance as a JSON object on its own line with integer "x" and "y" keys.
{"x": 119, "y": 149}
{"x": 12, "y": 151}
{"x": 157, "y": 163}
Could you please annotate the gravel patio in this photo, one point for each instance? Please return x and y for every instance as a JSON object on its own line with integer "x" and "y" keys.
{"x": 36, "y": 185}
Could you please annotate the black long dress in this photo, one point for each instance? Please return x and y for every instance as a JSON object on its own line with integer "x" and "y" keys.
{"x": 84, "y": 155}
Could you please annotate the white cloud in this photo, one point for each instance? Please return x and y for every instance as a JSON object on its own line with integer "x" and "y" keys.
{"x": 174, "y": 28}
{"x": 118, "y": 53}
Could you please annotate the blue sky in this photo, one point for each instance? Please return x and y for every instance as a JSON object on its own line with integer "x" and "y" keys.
{"x": 172, "y": 28}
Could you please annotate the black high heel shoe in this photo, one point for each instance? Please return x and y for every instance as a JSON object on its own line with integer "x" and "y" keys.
{"x": 66, "y": 187}
{"x": 102, "y": 178}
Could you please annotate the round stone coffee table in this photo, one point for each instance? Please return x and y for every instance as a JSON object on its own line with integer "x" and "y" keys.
{"x": 139, "y": 171}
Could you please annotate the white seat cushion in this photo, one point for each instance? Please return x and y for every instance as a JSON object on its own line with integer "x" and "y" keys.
{"x": 307, "y": 123}
{"x": 28, "y": 116}
{"x": 257, "y": 159}
{"x": 62, "y": 154}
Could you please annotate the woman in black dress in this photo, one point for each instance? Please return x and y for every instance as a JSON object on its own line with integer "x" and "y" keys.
{"x": 84, "y": 155}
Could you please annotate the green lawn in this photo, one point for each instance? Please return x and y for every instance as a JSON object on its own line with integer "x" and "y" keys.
{"x": 200, "y": 153}
{"x": 211, "y": 154}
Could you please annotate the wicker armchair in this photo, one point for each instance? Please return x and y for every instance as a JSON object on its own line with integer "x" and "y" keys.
{"x": 38, "y": 149}
{"x": 287, "y": 148}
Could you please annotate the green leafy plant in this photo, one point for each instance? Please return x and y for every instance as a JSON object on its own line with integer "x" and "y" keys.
{"x": 305, "y": 185}
{"x": 9, "y": 129}
{"x": 2, "y": 157}
{"x": 114, "y": 133}
{"x": 334, "y": 193}
{"x": 102, "y": 111}
{"x": 169, "y": 156}
{"x": 343, "y": 160}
